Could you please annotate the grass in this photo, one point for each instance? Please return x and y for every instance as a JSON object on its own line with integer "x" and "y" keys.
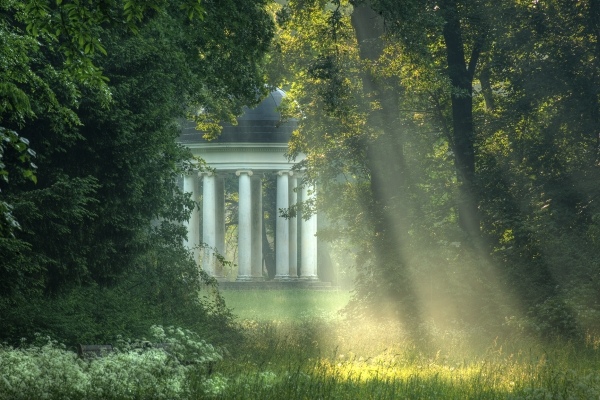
{"x": 285, "y": 305}
{"x": 298, "y": 347}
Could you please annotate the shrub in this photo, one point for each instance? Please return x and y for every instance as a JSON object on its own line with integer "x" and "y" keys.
{"x": 182, "y": 370}
{"x": 41, "y": 372}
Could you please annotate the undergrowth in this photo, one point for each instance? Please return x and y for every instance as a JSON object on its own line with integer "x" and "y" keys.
{"x": 318, "y": 356}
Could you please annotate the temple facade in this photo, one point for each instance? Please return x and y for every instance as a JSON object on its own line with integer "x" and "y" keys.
{"x": 250, "y": 150}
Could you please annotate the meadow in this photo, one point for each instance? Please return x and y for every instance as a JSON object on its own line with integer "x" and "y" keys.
{"x": 296, "y": 345}
{"x": 286, "y": 305}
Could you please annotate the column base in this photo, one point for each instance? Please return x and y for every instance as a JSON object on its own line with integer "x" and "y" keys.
{"x": 244, "y": 278}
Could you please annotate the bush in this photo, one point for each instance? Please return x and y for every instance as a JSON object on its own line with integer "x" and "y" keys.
{"x": 45, "y": 372}
{"x": 550, "y": 319}
{"x": 133, "y": 371}
{"x": 162, "y": 293}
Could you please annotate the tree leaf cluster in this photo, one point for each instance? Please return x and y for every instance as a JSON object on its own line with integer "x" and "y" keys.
{"x": 103, "y": 224}
{"x": 473, "y": 141}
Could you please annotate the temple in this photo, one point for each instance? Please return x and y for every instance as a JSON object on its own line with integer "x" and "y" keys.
{"x": 250, "y": 150}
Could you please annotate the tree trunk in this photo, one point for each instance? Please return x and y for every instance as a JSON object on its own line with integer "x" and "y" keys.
{"x": 461, "y": 78}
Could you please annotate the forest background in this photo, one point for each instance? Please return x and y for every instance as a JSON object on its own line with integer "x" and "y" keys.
{"x": 455, "y": 147}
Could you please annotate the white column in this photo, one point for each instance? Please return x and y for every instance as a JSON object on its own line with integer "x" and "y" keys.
{"x": 293, "y": 199}
{"x": 192, "y": 242}
{"x": 257, "y": 217}
{"x": 244, "y": 226}
{"x": 309, "y": 239}
{"x": 208, "y": 222}
{"x": 282, "y": 248}
{"x": 220, "y": 222}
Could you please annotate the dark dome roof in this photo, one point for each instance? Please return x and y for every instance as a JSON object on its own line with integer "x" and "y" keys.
{"x": 261, "y": 124}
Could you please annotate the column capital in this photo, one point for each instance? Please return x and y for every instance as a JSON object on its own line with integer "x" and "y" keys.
{"x": 244, "y": 171}
{"x": 206, "y": 173}
{"x": 285, "y": 171}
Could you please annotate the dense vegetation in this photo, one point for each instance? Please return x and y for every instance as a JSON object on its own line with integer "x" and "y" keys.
{"x": 308, "y": 352}
{"x": 92, "y": 233}
{"x": 463, "y": 138}
{"x": 455, "y": 148}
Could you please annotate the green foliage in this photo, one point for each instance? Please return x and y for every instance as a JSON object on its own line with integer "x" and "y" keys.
{"x": 325, "y": 95}
{"x": 458, "y": 142}
{"x": 164, "y": 288}
{"x": 97, "y": 90}
{"x": 47, "y": 50}
{"x": 36, "y": 372}
{"x": 552, "y": 318}
{"x": 233, "y": 41}
{"x": 185, "y": 346}
{"x": 56, "y": 56}
{"x": 49, "y": 371}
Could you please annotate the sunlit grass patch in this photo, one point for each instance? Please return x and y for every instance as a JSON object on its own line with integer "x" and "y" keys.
{"x": 555, "y": 372}
{"x": 297, "y": 356}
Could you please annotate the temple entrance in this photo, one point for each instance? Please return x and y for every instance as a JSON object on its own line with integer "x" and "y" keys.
{"x": 251, "y": 152}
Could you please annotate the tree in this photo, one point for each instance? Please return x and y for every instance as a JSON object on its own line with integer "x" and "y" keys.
{"x": 351, "y": 135}
{"x": 106, "y": 211}
{"x": 443, "y": 33}
{"x": 71, "y": 30}
{"x": 543, "y": 72}
{"x": 473, "y": 115}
